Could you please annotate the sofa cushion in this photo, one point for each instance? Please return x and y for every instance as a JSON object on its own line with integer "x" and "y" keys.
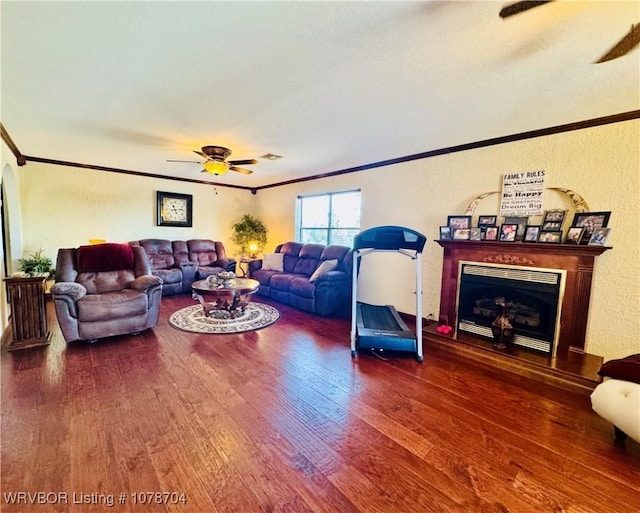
{"x": 290, "y": 250}
{"x": 306, "y": 266}
{"x": 334, "y": 251}
{"x": 262, "y": 276}
{"x": 159, "y": 252}
{"x": 205, "y": 252}
{"x": 282, "y": 281}
{"x": 180, "y": 251}
{"x": 311, "y": 251}
{"x": 308, "y": 258}
{"x": 204, "y": 271}
{"x": 107, "y": 281}
{"x": 168, "y": 276}
{"x": 302, "y": 287}
{"x": 324, "y": 268}
{"x": 114, "y": 305}
{"x": 273, "y": 262}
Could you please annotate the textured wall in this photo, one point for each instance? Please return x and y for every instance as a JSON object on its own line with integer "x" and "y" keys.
{"x": 65, "y": 207}
{"x": 600, "y": 163}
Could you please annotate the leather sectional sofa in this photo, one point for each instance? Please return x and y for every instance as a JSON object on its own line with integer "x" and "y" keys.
{"x": 297, "y": 279}
{"x": 179, "y": 263}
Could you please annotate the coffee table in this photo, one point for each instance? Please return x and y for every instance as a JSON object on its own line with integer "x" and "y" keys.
{"x": 229, "y": 300}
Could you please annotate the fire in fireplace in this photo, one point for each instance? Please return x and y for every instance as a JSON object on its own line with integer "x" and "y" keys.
{"x": 534, "y": 296}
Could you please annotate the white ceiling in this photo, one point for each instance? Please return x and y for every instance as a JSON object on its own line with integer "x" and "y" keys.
{"x": 328, "y": 85}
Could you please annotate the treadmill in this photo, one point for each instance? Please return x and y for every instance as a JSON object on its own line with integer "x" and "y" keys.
{"x": 380, "y": 327}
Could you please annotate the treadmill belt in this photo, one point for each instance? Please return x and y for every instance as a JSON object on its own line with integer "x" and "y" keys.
{"x": 379, "y": 318}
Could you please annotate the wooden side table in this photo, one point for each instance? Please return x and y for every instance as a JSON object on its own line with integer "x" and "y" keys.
{"x": 243, "y": 264}
{"x": 26, "y": 297}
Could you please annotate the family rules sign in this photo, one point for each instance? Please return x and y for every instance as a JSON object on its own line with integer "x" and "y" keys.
{"x": 522, "y": 193}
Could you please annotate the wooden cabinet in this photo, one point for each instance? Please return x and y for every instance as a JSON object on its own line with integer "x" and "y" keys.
{"x": 28, "y": 312}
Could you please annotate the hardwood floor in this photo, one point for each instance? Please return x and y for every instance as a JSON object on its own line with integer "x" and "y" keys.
{"x": 283, "y": 419}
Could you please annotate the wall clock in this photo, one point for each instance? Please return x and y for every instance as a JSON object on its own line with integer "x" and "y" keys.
{"x": 174, "y": 209}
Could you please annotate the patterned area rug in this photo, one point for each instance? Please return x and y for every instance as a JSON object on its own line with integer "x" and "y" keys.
{"x": 254, "y": 317}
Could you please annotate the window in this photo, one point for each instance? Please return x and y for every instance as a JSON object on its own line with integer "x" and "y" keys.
{"x": 332, "y": 218}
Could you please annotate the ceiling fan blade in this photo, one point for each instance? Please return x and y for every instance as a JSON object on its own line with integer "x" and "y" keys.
{"x": 189, "y": 161}
{"x": 242, "y": 162}
{"x": 241, "y": 170}
{"x": 206, "y": 157}
{"x": 624, "y": 46}
{"x": 518, "y": 7}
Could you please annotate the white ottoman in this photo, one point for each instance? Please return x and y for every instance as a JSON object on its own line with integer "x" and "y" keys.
{"x": 618, "y": 402}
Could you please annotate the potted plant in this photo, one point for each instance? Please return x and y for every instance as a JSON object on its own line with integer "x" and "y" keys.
{"x": 249, "y": 234}
{"x": 36, "y": 263}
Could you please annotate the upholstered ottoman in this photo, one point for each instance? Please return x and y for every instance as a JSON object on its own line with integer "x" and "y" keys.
{"x": 617, "y": 398}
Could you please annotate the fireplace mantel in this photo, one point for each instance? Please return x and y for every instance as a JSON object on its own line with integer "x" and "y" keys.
{"x": 577, "y": 260}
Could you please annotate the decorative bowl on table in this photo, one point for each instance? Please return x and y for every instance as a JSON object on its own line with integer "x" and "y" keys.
{"x": 225, "y": 277}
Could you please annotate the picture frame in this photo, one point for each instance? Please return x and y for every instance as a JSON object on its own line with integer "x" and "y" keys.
{"x": 459, "y": 221}
{"x": 174, "y": 209}
{"x": 574, "y": 235}
{"x": 599, "y": 237}
{"x": 554, "y": 216}
{"x": 551, "y": 226}
{"x": 531, "y": 233}
{"x": 475, "y": 233}
{"x": 508, "y": 232}
{"x": 591, "y": 220}
{"x": 491, "y": 232}
{"x": 521, "y": 221}
{"x": 461, "y": 233}
{"x": 550, "y": 237}
{"x": 487, "y": 220}
{"x": 445, "y": 233}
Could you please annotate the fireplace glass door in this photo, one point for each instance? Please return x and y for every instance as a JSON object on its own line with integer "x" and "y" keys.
{"x": 533, "y": 297}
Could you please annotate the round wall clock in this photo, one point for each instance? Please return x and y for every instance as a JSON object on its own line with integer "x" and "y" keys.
{"x": 174, "y": 209}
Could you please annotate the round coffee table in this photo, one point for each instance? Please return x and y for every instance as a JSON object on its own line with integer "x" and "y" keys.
{"x": 229, "y": 299}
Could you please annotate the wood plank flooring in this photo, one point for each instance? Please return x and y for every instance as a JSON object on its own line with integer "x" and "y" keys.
{"x": 283, "y": 420}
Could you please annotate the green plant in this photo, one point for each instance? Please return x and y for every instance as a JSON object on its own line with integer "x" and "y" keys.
{"x": 37, "y": 263}
{"x": 249, "y": 230}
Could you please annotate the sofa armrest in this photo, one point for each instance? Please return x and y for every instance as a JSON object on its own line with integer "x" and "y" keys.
{"x": 228, "y": 264}
{"x": 254, "y": 265}
{"x": 146, "y": 283}
{"x": 65, "y": 296}
{"x": 333, "y": 277}
{"x": 69, "y": 290}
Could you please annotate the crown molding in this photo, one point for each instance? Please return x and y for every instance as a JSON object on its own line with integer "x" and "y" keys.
{"x": 569, "y": 127}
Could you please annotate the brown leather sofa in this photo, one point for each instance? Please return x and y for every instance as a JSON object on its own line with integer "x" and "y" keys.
{"x": 105, "y": 290}
{"x": 179, "y": 263}
{"x": 298, "y": 283}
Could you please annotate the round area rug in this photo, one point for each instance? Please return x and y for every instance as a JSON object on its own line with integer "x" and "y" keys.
{"x": 254, "y": 317}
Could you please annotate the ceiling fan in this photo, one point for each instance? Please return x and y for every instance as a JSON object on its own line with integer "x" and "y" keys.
{"x": 216, "y": 163}
{"x": 622, "y": 47}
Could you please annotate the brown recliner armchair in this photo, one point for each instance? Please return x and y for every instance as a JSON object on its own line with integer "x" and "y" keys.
{"x": 105, "y": 290}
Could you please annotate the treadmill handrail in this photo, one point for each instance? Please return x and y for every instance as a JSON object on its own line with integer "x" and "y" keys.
{"x": 390, "y": 238}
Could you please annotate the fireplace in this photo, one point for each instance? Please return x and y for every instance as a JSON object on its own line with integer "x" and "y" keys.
{"x": 575, "y": 262}
{"x": 534, "y": 297}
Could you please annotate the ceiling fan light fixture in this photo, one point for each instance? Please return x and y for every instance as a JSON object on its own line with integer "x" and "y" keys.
{"x": 216, "y": 167}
